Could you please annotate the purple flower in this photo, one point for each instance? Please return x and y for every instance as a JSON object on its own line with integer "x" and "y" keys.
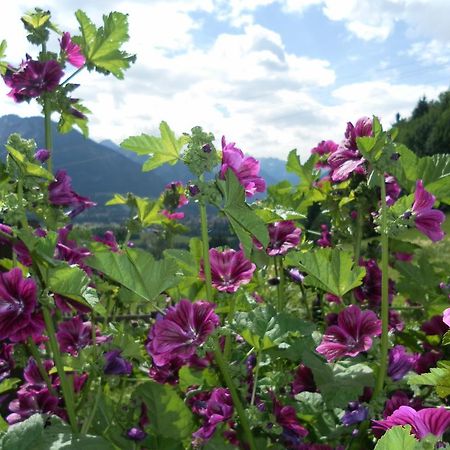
{"x": 115, "y": 364}
{"x": 33, "y": 377}
{"x": 219, "y": 408}
{"x": 283, "y": 236}
{"x": 446, "y": 317}
{"x": 166, "y": 373}
{"x": 295, "y": 275}
{"x": 325, "y": 240}
{"x": 400, "y": 398}
{"x": 427, "y": 360}
{"x": 108, "y": 239}
{"x": 395, "y": 321}
{"x": 363, "y": 127}
{"x": 245, "y": 168}
{"x": 136, "y": 434}
{"x": 68, "y": 250}
{"x": 229, "y": 269}
{"x": 355, "y": 413}
{"x": 393, "y": 189}
{"x": 42, "y": 155}
{"x": 173, "y": 198}
{"x": 33, "y": 402}
{"x": 428, "y": 220}
{"x": 60, "y": 193}
{"x": 404, "y": 256}
{"x": 69, "y": 305}
{"x": 7, "y": 362}
{"x": 331, "y": 298}
{"x": 32, "y": 79}
{"x": 400, "y": 362}
{"x": 178, "y": 334}
{"x": 370, "y": 289}
{"x": 303, "y": 380}
{"x": 352, "y": 335}
{"x": 74, "y": 334}
{"x": 424, "y": 422}
{"x": 18, "y": 303}
{"x": 286, "y": 417}
{"x": 72, "y": 51}
{"x": 436, "y": 325}
{"x": 325, "y": 147}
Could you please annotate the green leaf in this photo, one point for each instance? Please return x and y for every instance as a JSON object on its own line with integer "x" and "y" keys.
{"x": 148, "y": 211}
{"x": 190, "y": 377}
{"x": 332, "y": 270}
{"x": 162, "y": 150}
{"x": 169, "y": 416}
{"x": 243, "y": 219}
{"x": 137, "y": 271}
{"x": 68, "y": 121}
{"x": 305, "y": 172}
{"x": 118, "y": 199}
{"x": 439, "y": 377}
{"x": 36, "y": 18}
{"x": 8, "y": 383}
{"x": 101, "y": 46}
{"x": 28, "y": 168}
{"x": 397, "y": 438}
{"x": 36, "y": 434}
{"x": 3, "y": 64}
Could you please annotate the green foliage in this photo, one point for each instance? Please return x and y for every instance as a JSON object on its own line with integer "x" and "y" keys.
{"x": 102, "y": 46}
{"x": 137, "y": 270}
{"x": 3, "y": 64}
{"x": 168, "y": 414}
{"x": 28, "y": 168}
{"x": 332, "y": 270}
{"x": 196, "y": 158}
{"x": 398, "y": 438}
{"x": 439, "y": 377}
{"x": 243, "y": 219}
{"x": 162, "y": 150}
{"x": 67, "y": 120}
{"x": 37, "y": 23}
{"x": 35, "y": 433}
{"x": 305, "y": 172}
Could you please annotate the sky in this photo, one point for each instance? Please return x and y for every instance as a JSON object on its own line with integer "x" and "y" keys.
{"x": 270, "y": 75}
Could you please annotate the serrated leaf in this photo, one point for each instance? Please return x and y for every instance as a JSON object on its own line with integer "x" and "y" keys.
{"x": 68, "y": 121}
{"x": 439, "y": 377}
{"x": 162, "y": 150}
{"x": 28, "y": 168}
{"x": 305, "y": 172}
{"x": 36, "y": 19}
{"x": 399, "y": 437}
{"x": 101, "y": 46}
{"x": 137, "y": 270}
{"x": 332, "y": 270}
{"x": 118, "y": 199}
{"x": 148, "y": 211}
{"x": 168, "y": 414}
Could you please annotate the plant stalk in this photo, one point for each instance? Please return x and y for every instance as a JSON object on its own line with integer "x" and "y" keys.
{"x": 37, "y": 357}
{"x": 384, "y": 291}
{"x": 67, "y": 389}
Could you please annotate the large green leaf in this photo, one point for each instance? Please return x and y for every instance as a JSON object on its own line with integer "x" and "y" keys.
{"x": 168, "y": 414}
{"x": 439, "y": 377}
{"x": 398, "y": 438}
{"x": 162, "y": 150}
{"x": 332, "y": 270}
{"x": 35, "y": 433}
{"x": 306, "y": 172}
{"x": 243, "y": 219}
{"x": 102, "y": 46}
{"x": 137, "y": 270}
{"x": 28, "y": 168}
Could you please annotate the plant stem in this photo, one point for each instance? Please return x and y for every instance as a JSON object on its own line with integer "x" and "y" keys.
{"x": 235, "y": 396}
{"x": 87, "y": 424}
{"x": 281, "y": 291}
{"x": 384, "y": 291}
{"x": 37, "y": 357}
{"x": 227, "y": 347}
{"x": 67, "y": 389}
{"x": 255, "y": 380}
{"x": 73, "y": 75}
{"x": 223, "y": 367}
{"x": 48, "y": 133}
{"x": 305, "y": 302}
{"x": 358, "y": 235}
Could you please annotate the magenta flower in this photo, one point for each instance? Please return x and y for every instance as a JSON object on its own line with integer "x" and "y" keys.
{"x": 74, "y": 334}
{"x": 166, "y": 373}
{"x": 370, "y": 289}
{"x": 42, "y": 155}
{"x": 352, "y": 335}
{"x": 136, "y": 434}
{"x": 283, "y": 236}
{"x": 400, "y": 362}
{"x": 18, "y": 303}
{"x": 245, "y": 168}
{"x": 325, "y": 147}
{"x": 427, "y": 220}
{"x": 178, "y": 334}
{"x": 404, "y": 256}
{"x": 446, "y": 317}
{"x": 436, "y": 325}
{"x": 229, "y": 269}
{"x": 60, "y": 193}
{"x": 218, "y": 408}
{"x": 303, "y": 380}
{"x": 400, "y": 398}
{"x": 393, "y": 189}
{"x": 363, "y": 127}
{"x": 427, "y": 421}
{"x": 286, "y": 417}
{"x": 325, "y": 240}
{"x": 72, "y": 51}
{"x": 109, "y": 240}
{"x": 32, "y": 79}
{"x": 68, "y": 250}
{"x": 7, "y": 362}
{"x": 115, "y": 364}
{"x": 33, "y": 377}
{"x": 174, "y": 198}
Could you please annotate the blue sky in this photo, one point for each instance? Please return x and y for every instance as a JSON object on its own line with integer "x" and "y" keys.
{"x": 271, "y": 75}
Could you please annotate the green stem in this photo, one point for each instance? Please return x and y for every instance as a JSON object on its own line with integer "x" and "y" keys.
{"x": 67, "y": 389}
{"x": 37, "y": 357}
{"x": 305, "y": 302}
{"x": 48, "y": 133}
{"x": 73, "y": 75}
{"x": 277, "y": 276}
{"x": 281, "y": 291}
{"x": 384, "y": 291}
{"x": 227, "y": 347}
{"x": 358, "y": 235}
{"x": 87, "y": 424}
{"x": 23, "y": 215}
{"x": 223, "y": 366}
{"x": 255, "y": 380}
{"x": 235, "y": 396}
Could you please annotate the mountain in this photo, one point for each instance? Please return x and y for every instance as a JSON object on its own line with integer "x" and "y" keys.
{"x": 99, "y": 170}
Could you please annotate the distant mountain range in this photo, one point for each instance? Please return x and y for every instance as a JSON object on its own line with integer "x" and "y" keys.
{"x": 99, "y": 170}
